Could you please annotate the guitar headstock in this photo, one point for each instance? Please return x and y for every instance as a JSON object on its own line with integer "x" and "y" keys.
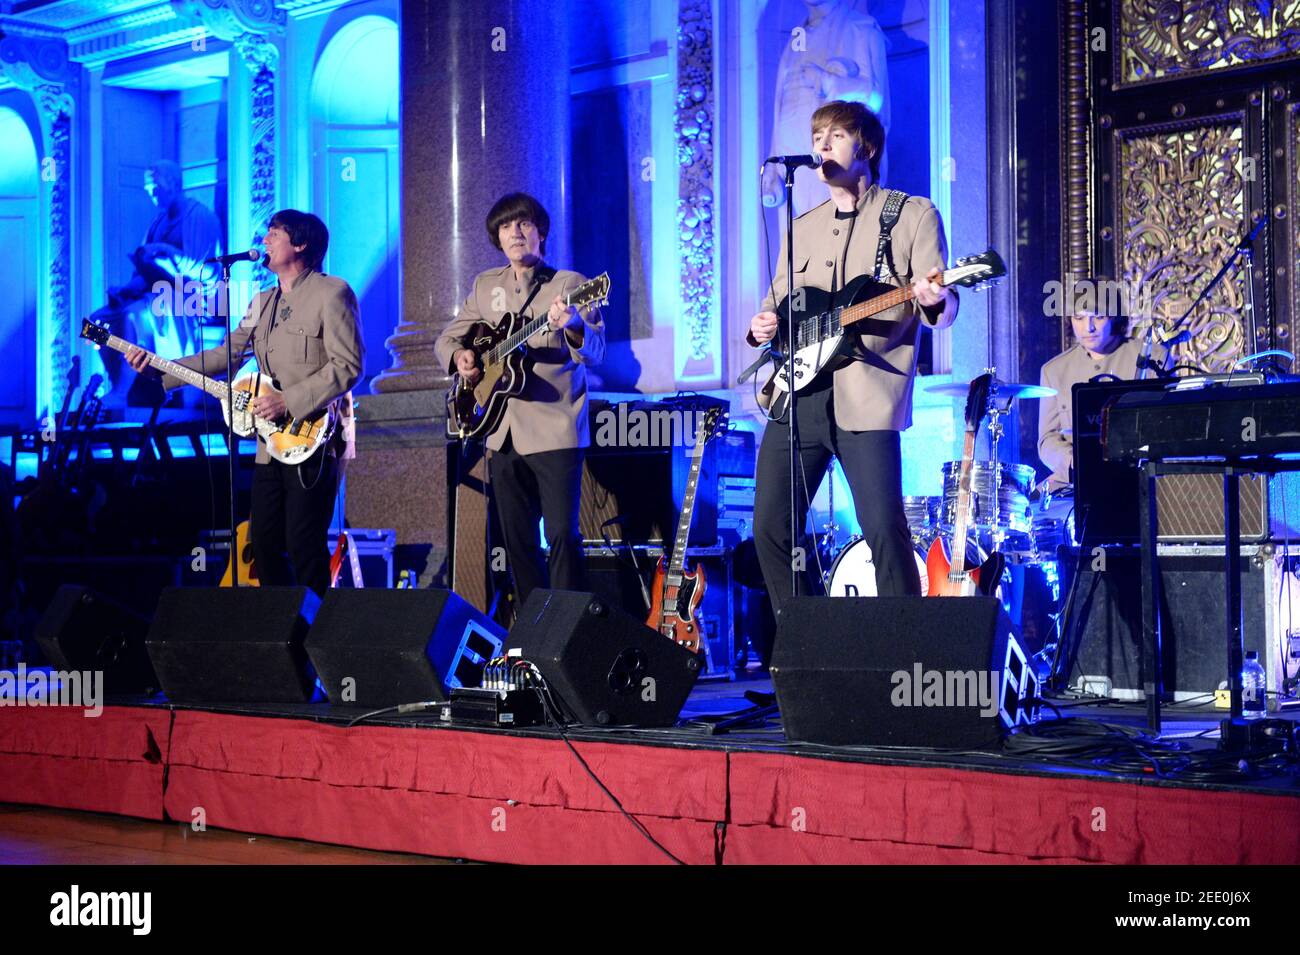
{"x": 592, "y": 292}
{"x": 976, "y": 271}
{"x": 977, "y": 400}
{"x": 712, "y": 423}
{"x": 96, "y": 334}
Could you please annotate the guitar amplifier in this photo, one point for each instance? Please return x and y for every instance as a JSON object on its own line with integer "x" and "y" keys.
{"x": 634, "y": 473}
{"x": 1190, "y": 507}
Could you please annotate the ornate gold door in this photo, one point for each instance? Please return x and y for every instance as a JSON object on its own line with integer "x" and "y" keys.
{"x": 1183, "y": 128}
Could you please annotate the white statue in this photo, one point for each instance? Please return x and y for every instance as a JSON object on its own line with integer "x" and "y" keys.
{"x": 837, "y": 53}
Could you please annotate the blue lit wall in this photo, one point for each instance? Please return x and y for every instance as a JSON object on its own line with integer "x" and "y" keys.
{"x": 633, "y": 132}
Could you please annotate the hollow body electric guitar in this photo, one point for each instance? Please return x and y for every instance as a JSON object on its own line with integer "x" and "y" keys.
{"x": 822, "y": 318}
{"x": 675, "y": 594}
{"x": 288, "y": 440}
{"x": 474, "y": 411}
{"x": 945, "y": 566}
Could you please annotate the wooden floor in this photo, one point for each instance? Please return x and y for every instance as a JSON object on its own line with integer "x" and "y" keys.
{"x": 32, "y": 835}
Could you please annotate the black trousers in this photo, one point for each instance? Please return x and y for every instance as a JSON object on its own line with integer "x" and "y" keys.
{"x": 873, "y": 467}
{"x": 545, "y": 486}
{"x": 292, "y": 507}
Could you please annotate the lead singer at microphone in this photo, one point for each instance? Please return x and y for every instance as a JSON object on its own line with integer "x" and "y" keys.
{"x": 306, "y": 335}
{"x": 854, "y": 411}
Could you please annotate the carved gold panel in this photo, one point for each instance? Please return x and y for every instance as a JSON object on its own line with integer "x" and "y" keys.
{"x": 1163, "y": 38}
{"x": 1181, "y": 201}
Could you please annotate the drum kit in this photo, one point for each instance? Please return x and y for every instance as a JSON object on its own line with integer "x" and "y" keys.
{"x": 1027, "y": 523}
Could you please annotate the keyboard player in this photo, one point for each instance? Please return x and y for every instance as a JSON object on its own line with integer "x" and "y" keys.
{"x": 1102, "y": 348}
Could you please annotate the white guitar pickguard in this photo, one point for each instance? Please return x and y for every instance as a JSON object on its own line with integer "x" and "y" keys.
{"x": 808, "y": 361}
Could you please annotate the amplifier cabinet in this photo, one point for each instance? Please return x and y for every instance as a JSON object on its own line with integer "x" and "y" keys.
{"x": 1108, "y": 617}
{"x": 1190, "y": 507}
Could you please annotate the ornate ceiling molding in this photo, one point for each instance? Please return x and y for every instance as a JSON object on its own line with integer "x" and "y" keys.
{"x": 231, "y": 19}
{"x": 32, "y": 61}
{"x": 57, "y": 36}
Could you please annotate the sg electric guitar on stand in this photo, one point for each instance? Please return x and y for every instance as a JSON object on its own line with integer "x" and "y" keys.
{"x": 675, "y": 594}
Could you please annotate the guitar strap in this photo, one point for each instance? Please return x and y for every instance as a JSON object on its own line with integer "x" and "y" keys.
{"x": 542, "y": 276}
{"x": 888, "y": 219}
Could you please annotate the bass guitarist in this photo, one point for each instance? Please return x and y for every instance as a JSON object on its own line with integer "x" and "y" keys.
{"x": 856, "y": 411}
{"x": 306, "y": 335}
{"x": 535, "y": 452}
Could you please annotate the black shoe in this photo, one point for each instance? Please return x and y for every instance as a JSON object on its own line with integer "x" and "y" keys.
{"x": 759, "y": 698}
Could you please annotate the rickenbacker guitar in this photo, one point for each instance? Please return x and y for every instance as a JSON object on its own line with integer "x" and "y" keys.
{"x": 824, "y": 317}
{"x": 946, "y": 565}
{"x": 289, "y": 440}
{"x": 675, "y": 594}
{"x": 473, "y": 411}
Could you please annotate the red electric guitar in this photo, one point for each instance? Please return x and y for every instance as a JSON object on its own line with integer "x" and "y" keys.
{"x": 675, "y": 594}
{"x": 946, "y": 565}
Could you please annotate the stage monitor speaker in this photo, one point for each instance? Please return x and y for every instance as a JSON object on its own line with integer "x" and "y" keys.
{"x": 901, "y": 671}
{"x": 605, "y": 667}
{"x": 83, "y": 630}
{"x": 387, "y": 647}
{"x": 233, "y": 644}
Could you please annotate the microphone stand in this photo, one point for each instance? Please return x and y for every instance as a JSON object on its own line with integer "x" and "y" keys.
{"x": 790, "y": 349}
{"x": 1245, "y": 248}
{"x": 223, "y": 312}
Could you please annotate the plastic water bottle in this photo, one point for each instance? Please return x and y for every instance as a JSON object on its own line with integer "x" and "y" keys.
{"x": 1253, "y": 688}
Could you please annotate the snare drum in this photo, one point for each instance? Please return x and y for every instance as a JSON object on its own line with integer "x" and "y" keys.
{"x": 1017, "y": 480}
{"x": 854, "y": 572}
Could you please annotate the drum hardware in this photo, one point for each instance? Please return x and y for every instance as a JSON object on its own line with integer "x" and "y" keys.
{"x": 827, "y": 540}
{"x": 1001, "y": 394}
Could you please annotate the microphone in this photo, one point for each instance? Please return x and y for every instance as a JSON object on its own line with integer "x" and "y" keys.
{"x": 252, "y": 255}
{"x": 811, "y": 161}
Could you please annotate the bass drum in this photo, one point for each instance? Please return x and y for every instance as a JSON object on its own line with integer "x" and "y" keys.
{"x": 854, "y": 572}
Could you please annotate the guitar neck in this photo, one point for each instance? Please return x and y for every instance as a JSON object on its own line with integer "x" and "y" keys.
{"x": 518, "y": 338}
{"x": 580, "y": 296}
{"x": 213, "y": 387}
{"x": 874, "y": 306}
{"x": 677, "y": 564}
{"x": 957, "y": 559}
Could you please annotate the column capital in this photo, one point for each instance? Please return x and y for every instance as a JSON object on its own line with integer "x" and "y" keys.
{"x": 231, "y": 19}
{"x": 31, "y": 61}
{"x": 257, "y": 52}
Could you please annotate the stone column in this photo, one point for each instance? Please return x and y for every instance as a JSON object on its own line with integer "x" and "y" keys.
{"x": 485, "y": 111}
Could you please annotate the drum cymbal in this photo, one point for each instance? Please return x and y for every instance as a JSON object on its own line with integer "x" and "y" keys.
{"x": 1003, "y": 389}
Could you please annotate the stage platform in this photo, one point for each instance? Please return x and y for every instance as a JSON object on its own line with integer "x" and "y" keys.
{"x": 413, "y": 784}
